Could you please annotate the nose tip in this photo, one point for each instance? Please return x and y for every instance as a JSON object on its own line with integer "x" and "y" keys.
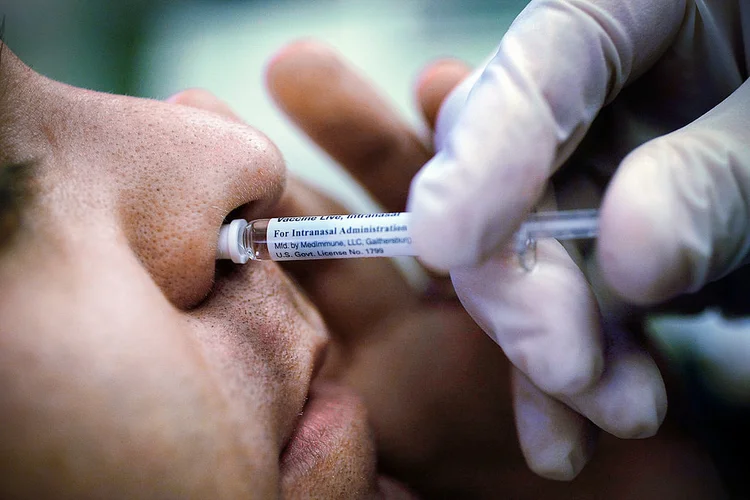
{"x": 268, "y": 177}
{"x": 260, "y": 187}
{"x": 240, "y": 147}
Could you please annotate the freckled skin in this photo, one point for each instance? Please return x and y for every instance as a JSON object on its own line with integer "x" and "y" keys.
{"x": 128, "y": 367}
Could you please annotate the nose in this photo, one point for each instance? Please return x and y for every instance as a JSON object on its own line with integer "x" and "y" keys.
{"x": 204, "y": 166}
{"x": 177, "y": 172}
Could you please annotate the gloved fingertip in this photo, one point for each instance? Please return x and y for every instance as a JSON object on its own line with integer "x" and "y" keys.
{"x": 581, "y": 454}
{"x": 560, "y": 466}
{"x": 631, "y": 400}
{"x": 637, "y": 249}
{"x": 440, "y": 220}
{"x": 645, "y": 426}
{"x": 643, "y": 420}
{"x": 565, "y": 459}
{"x": 554, "y": 469}
{"x": 556, "y": 442}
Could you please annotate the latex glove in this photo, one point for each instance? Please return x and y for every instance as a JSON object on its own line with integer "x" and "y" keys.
{"x": 647, "y": 95}
{"x": 435, "y": 386}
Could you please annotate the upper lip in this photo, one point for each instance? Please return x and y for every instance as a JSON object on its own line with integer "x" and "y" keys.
{"x": 317, "y": 359}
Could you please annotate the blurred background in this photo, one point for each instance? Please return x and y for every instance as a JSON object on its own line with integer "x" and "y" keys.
{"x": 155, "y": 48}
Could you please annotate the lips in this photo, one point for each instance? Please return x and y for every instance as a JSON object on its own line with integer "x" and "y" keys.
{"x": 320, "y": 431}
{"x": 327, "y": 421}
{"x": 328, "y": 449}
{"x": 333, "y": 439}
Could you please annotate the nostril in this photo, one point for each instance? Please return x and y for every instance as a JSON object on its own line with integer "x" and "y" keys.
{"x": 224, "y": 268}
{"x": 246, "y": 211}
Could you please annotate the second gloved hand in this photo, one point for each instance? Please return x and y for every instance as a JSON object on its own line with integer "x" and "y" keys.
{"x": 645, "y": 99}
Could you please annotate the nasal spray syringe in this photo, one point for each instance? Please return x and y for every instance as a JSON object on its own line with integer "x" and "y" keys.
{"x": 375, "y": 235}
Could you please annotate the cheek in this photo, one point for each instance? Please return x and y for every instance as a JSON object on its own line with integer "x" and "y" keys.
{"x": 102, "y": 377}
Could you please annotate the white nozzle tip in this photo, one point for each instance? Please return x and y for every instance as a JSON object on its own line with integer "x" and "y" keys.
{"x": 230, "y": 242}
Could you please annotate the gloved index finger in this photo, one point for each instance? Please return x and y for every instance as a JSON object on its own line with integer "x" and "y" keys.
{"x": 559, "y": 63}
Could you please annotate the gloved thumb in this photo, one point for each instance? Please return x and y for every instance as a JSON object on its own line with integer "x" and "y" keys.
{"x": 677, "y": 212}
{"x": 452, "y": 106}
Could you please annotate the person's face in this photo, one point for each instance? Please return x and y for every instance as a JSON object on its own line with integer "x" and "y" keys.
{"x": 129, "y": 366}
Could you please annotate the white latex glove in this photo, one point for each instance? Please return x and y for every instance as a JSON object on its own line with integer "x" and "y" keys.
{"x": 645, "y": 95}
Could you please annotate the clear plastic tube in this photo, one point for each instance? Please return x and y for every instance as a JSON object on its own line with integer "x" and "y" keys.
{"x": 374, "y": 235}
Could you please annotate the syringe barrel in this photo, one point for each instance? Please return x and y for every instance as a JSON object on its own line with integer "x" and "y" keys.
{"x": 369, "y": 235}
{"x": 317, "y": 237}
{"x": 562, "y": 225}
{"x": 255, "y": 240}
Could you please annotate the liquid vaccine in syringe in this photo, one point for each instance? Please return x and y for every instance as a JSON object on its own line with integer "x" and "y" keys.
{"x": 373, "y": 235}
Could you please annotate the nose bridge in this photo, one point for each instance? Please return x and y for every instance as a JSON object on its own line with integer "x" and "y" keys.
{"x": 138, "y": 145}
{"x": 185, "y": 148}
{"x": 248, "y": 164}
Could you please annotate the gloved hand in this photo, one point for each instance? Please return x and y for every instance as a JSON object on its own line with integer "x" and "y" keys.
{"x": 634, "y": 105}
{"x": 435, "y": 386}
